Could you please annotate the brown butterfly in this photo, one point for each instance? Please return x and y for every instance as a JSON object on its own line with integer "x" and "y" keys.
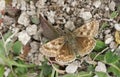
{"x": 80, "y": 42}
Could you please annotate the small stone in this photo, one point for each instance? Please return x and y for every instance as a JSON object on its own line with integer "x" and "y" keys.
{"x": 117, "y": 27}
{"x": 113, "y": 45}
{"x": 7, "y": 71}
{"x": 23, "y": 37}
{"x": 23, "y": 5}
{"x": 86, "y": 15}
{"x": 40, "y": 3}
{"x": 109, "y": 40}
{"x": 50, "y": 16}
{"x": 41, "y": 57}
{"x": 8, "y": 20}
{"x": 71, "y": 68}
{"x": 101, "y": 67}
{"x": 112, "y": 6}
{"x": 35, "y": 19}
{"x": 74, "y": 3}
{"x": 24, "y": 19}
{"x": 31, "y": 29}
{"x": 107, "y": 31}
{"x": 2, "y": 5}
{"x": 67, "y": 9}
{"x": 97, "y": 3}
{"x": 34, "y": 45}
{"x": 70, "y": 25}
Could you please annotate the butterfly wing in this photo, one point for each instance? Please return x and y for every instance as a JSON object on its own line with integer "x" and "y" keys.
{"x": 88, "y": 29}
{"x": 66, "y": 55}
{"x": 51, "y": 49}
{"x": 85, "y": 45}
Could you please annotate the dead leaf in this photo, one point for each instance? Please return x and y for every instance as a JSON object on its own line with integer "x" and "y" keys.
{"x": 26, "y": 50}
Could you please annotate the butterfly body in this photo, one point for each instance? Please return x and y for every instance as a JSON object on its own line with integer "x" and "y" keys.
{"x": 79, "y": 42}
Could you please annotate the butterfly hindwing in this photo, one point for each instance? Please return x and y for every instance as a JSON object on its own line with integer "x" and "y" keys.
{"x": 66, "y": 55}
{"x": 86, "y": 43}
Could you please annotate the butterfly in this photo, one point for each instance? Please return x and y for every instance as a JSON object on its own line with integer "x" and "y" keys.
{"x": 66, "y": 48}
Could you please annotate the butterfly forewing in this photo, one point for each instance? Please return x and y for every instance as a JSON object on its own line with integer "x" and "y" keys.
{"x": 52, "y": 48}
{"x": 88, "y": 29}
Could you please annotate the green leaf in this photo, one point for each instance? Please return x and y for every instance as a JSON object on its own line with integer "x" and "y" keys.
{"x": 101, "y": 74}
{"x": 6, "y": 35}
{"x": 1, "y": 70}
{"x": 21, "y": 70}
{"x": 53, "y": 73}
{"x": 17, "y": 47}
{"x": 47, "y": 69}
{"x": 11, "y": 62}
{"x": 99, "y": 46}
{"x": 115, "y": 69}
{"x": 84, "y": 74}
{"x": 70, "y": 75}
{"x": 104, "y": 25}
{"x": 114, "y": 14}
{"x": 9, "y": 46}
{"x": 110, "y": 57}
{"x": 2, "y": 50}
{"x": 90, "y": 68}
{"x": 35, "y": 20}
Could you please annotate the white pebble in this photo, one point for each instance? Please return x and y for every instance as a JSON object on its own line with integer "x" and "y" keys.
{"x": 86, "y": 15}
{"x": 71, "y": 68}
{"x": 6, "y": 73}
{"x": 24, "y": 19}
{"x": 23, "y": 37}
{"x": 100, "y": 67}
{"x": 113, "y": 45}
{"x": 70, "y": 25}
{"x": 112, "y": 5}
{"x": 50, "y": 16}
{"x": 2, "y": 5}
{"x": 97, "y": 3}
{"x": 23, "y": 5}
{"x": 109, "y": 40}
{"x": 117, "y": 27}
{"x": 31, "y": 29}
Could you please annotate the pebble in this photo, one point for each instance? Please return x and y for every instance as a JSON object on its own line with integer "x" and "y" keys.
{"x": 112, "y": 45}
{"x": 34, "y": 45}
{"x": 7, "y": 71}
{"x": 107, "y": 31}
{"x": 70, "y": 25}
{"x": 24, "y": 19}
{"x": 97, "y": 3}
{"x": 50, "y": 16}
{"x": 72, "y": 68}
{"x": 117, "y": 27}
{"x": 109, "y": 40}
{"x": 101, "y": 67}
{"x": 24, "y": 37}
{"x": 2, "y": 5}
{"x": 86, "y": 15}
{"x": 31, "y": 29}
{"x": 112, "y": 6}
